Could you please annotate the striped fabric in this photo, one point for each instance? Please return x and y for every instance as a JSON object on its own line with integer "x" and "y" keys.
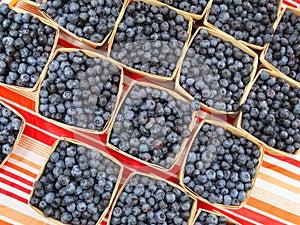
{"x": 275, "y": 199}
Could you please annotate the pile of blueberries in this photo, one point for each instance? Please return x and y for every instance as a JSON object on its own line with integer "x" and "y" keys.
{"x": 206, "y": 218}
{"x": 194, "y": 6}
{"x": 272, "y": 113}
{"x": 25, "y": 46}
{"x": 151, "y": 125}
{"x": 215, "y": 72}
{"x": 80, "y": 90}
{"x": 150, "y": 38}
{"x": 249, "y": 20}
{"x": 76, "y": 185}
{"x": 92, "y": 20}
{"x": 146, "y": 201}
{"x": 10, "y": 125}
{"x": 284, "y": 50}
{"x": 221, "y": 166}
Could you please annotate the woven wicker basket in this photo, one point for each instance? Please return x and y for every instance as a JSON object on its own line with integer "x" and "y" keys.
{"x": 22, "y": 127}
{"x": 144, "y": 74}
{"x": 227, "y": 38}
{"x": 236, "y": 132}
{"x": 238, "y": 120}
{"x": 89, "y": 147}
{"x": 90, "y": 54}
{"x": 176, "y": 96}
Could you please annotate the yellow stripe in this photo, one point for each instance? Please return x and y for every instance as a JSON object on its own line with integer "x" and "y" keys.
{"x": 25, "y": 161}
{"x": 18, "y": 216}
{"x": 279, "y": 183}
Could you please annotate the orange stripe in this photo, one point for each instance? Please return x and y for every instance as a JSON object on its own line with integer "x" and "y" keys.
{"x": 20, "y": 169}
{"x": 279, "y": 183}
{"x": 2, "y": 222}
{"x": 23, "y": 160}
{"x": 273, "y": 210}
{"x": 18, "y": 216}
{"x": 281, "y": 170}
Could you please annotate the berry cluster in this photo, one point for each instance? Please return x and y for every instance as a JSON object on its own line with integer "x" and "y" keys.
{"x": 10, "y": 125}
{"x": 206, "y": 218}
{"x": 25, "y": 46}
{"x": 92, "y": 20}
{"x": 284, "y": 50}
{"x": 220, "y": 166}
{"x": 150, "y": 38}
{"x": 215, "y": 72}
{"x": 151, "y": 125}
{"x": 272, "y": 113}
{"x": 76, "y": 185}
{"x": 146, "y": 200}
{"x": 192, "y": 6}
{"x": 249, "y": 20}
{"x": 80, "y": 90}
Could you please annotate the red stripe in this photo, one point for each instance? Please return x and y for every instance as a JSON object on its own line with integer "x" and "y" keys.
{"x": 66, "y": 44}
{"x": 290, "y": 4}
{"x": 9, "y": 183}
{"x": 133, "y": 76}
{"x": 229, "y": 119}
{"x": 285, "y": 159}
{"x": 16, "y": 177}
{"x": 39, "y": 136}
{"x": 12, "y": 195}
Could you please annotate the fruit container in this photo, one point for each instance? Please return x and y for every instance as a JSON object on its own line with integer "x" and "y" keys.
{"x": 253, "y": 46}
{"x": 184, "y": 141}
{"x": 236, "y": 132}
{"x": 193, "y": 15}
{"x": 152, "y": 176}
{"x": 142, "y": 73}
{"x": 72, "y": 141}
{"x": 229, "y": 221}
{"x": 92, "y": 55}
{"x": 238, "y": 120}
{"x": 80, "y": 39}
{"x": 225, "y": 37}
{"x": 46, "y": 22}
{"x": 267, "y": 64}
{"x": 22, "y": 127}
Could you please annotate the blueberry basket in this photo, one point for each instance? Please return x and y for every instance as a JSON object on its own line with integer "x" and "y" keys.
{"x": 137, "y": 157}
{"x": 143, "y": 178}
{"x": 111, "y": 44}
{"x": 186, "y": 64}
{"x": 87, "y": 106}
{"x": 296, "y": 60}
{"x": 251, "y": 45}
{"x": 210, "y": 157}
{"x": 195, "y": 16}
{"x": 239, "y": 119}
{"x": 18, "y": 136}
{"x": 87, "y": 41}
{"x": 100, "y": 173}
{"x": 46, "y": 23}
{"x": 214, "y": 216}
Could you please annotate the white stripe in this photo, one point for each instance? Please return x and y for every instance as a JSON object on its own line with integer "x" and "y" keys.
{"x": 43, "y": 131}
{"x": 269, "y": 215}
{"x": 286, "y": 199}
{"x": 18, "y": 173}
{"x": 9, "y": 220}
{"x": 242, "y": 217}
{"x": 14, "y": 190}
{"x": 15, "y": 181}
{"x": 31, "y": 156}
{"x": 23, "y": 165}
{"x": 26, "y": 209}
{"x": 282, "y": 164}
{"x": 280, "y": 176}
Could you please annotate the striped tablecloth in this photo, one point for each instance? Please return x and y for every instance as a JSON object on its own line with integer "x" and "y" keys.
{"x": 275, "y": 199}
